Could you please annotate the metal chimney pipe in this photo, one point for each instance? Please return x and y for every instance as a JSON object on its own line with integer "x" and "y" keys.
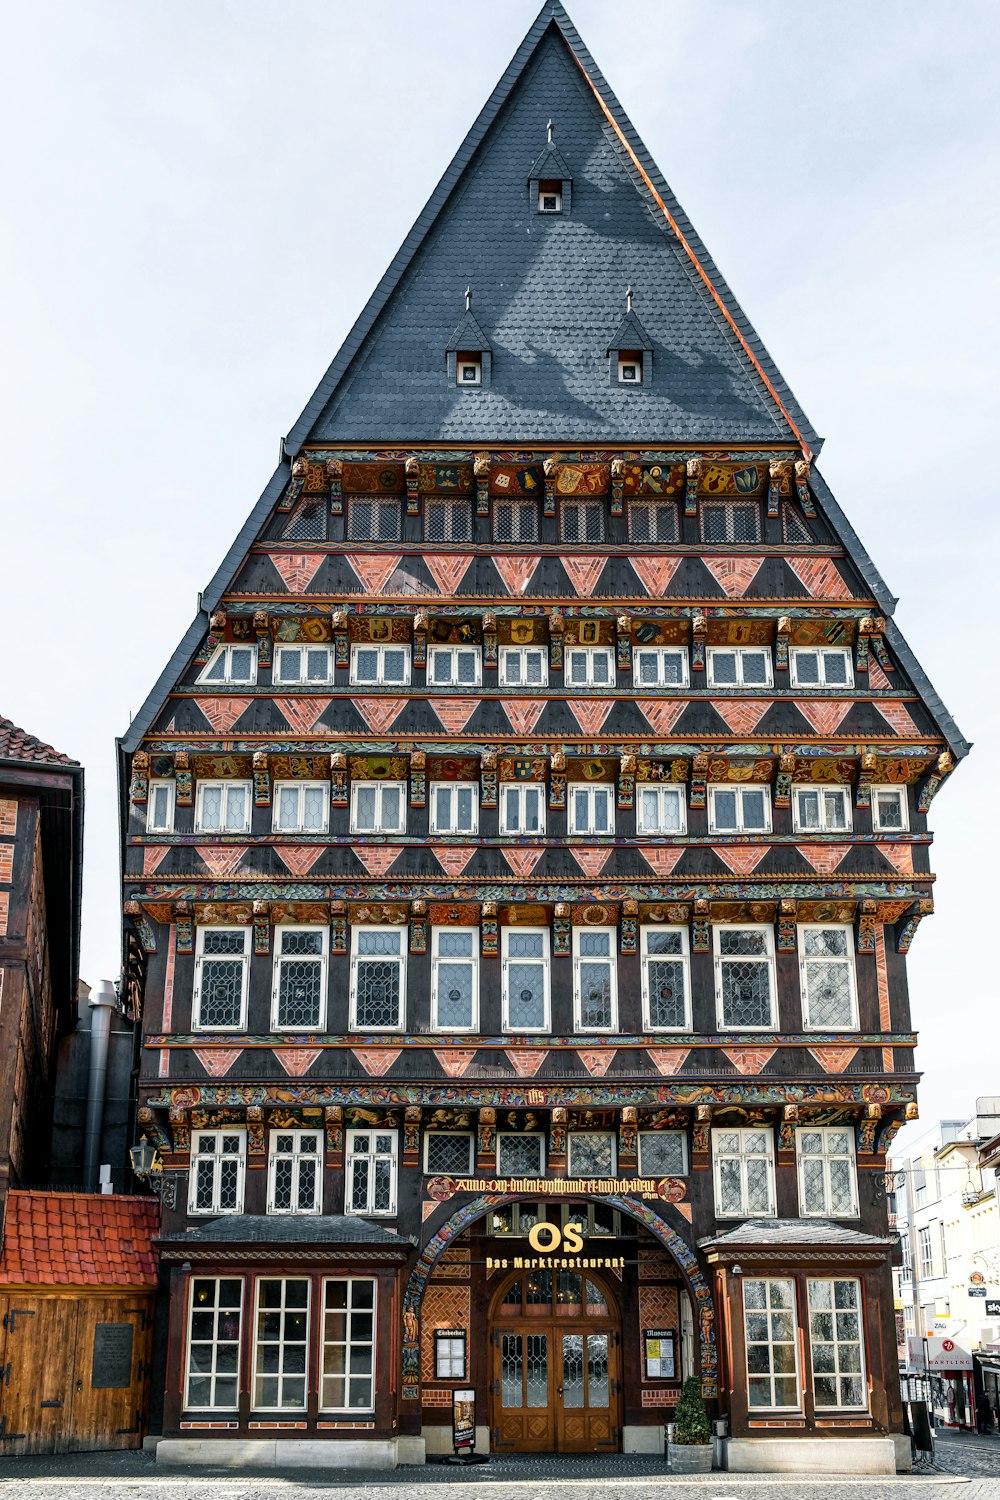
{"x": 103, "y": 1001}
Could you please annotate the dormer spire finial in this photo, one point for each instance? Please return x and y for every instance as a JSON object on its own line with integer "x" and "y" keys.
{"x": 628, "y": 299}
{"x": 468, "y": 299}
{"x": 548, "y": 132}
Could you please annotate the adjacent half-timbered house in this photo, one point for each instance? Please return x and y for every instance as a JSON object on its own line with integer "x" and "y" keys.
{"x": 521, "y": 857}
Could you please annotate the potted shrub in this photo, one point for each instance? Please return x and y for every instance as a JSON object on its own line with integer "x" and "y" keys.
{"x": 691, "y": 1449}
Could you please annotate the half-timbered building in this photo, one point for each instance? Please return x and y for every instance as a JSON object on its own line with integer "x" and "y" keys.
{"x": 522, "y": 851}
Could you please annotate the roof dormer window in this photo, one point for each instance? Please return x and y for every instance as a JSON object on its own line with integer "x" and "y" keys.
{"x": 550, "y": 197}
{"x": 630, "y": 367}
{"x": 630, "y": 353}
{"x": 469, "y": 369}
{"x": 549, "y": 180}
{"x": 469, "y": 354}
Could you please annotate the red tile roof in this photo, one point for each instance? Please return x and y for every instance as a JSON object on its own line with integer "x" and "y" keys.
{"x": 79, "y": 1239}
{"x": 18, "y": 744}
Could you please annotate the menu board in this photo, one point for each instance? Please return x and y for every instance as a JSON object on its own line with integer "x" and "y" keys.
{"x": 658, "y": 1353}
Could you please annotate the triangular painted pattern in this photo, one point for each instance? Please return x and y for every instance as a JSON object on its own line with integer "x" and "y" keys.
{"x": 898, "y": 719}
{"x": 297, "y": 1061}
{"x": 379, "y": 713}
{"x": 522, "y": 861}
{"x": 217, "y": 1061}
{"x": 153, "y": 857}
{"x": 454, "y": 713}
{"x": 877, "y": 678}
{"x": 820, "y": 576}
{"x": 303, "y": 713}
{"x": 376, "y": 858}
{"x": 833, "y": 1059}
{"x": 583, "y": 573}
{"x": 590, "y": 713}
{"x": 824, "y": 714}
{"x": 299, "y": 858}
{"x": 662, "y": 860}
{"x": 655, "y": 573}
{"x": 660, "y": 713}
{"x": 222, "y": 713}
{"x": 373, "y": 569}
{"x": 523, "y": 713}
{"x": 447, "y": 570}
{"x": 668, "y": 1060}
{"x": 749, "y": 1059}
{"x": 298, "y": 569}
{"x": 524, "y": 1062}
{"x": 824, "y": 858}
{"x": 735, "y": 574}
{"x": 453, "y": 858}
{"x": 455, "y": 1060}
{"x": 900, "y": 856}
{"x": 741, "y": 858}
{"x": 591, "y": 860}
{"x": 221, "y": 859}
{"x": 597, "y": 1061}
{"x": 741, "y": 714}
{"x": 516, "y": 572}
{"x": 376, "y": 1060}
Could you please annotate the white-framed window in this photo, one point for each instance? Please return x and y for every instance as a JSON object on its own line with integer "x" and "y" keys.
{"x": 821, "y": 809}
{"x": 660, "y": 809}
{"x": 590, "y": 666}
{"x": 925, "y": 1251}
{"x": 739, "y": 666}
{"x": 524, "y": 666}
{"x": 374, "y": 519}
{"x": 237, "y": 663}
{"x": 660, "y": 666}
{"x": 222, "y": 807}
{"x": 347, "y": 1370}
{"x": 581, "y": 520}
{"x": 372, "y": 1158}
{"x": 522, "y": 807}
{"x": 663, "y": 1153}
{"x": 744, "y": 1173}
{"x": 160, "y": 806}
{"x": 449, "y": 1153}
{"x": 218, "y": 1171}
{"x": 295, "y": 1172}
{"x": 303, "y": 664}
{"x": 447, "y": 519}
{"x": 550, "y": 197}
{"x": 298, "y": 986}
{"x": 591, "y": 1153}
{"x": 469, "y": 369}
{"x": 890, "y": 810}
{"x": 520, "y": 1155}
{"x": 454, "y": 666}
{"x": 454, "y": 806}
{"x": 454, "y": 978}
{"x": 525, "y": 978}
{"x": 828, "y": 1179}
{"x": 739, "y": 808}
{"x": 515, "y": 520}
{"x": 591, "y": 808}
{"x": 630, "y": 367}
{"x": 836, "y": 1343}
{"x": 212, "y": 1370}
{"x": 221, "y": 973}
{"x": 378, "y": 970}
{"x": 744, "y": 977}
{"x": 280, "y": 1343}
{"x": 821, "y": 666}
{"x": 666, "y": 985}
{"x": 378, "y": 806}
{"x": 826, "y": 969}
{"x": 380, "y": 665}
{"x": 301, "y": 806}
{"x": 653, "y": 521}
{"x": 729, "y": 520}
{"x": 772, "y": 1341}
{"x": 595, "y": 983}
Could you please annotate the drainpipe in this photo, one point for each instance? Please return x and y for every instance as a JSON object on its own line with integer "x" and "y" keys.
{"x": 103, "y": 1001}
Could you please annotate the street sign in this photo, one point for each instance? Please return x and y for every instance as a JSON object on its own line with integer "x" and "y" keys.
{"x": 977, "y": 1291}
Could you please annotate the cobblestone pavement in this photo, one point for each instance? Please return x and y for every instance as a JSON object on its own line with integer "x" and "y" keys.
{"x": 964, "y": 1468}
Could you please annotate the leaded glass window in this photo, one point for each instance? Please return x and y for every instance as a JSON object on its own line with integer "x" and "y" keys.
{"x": 371, "y": 1172}
{"x": 589, "y": 666}
{"x": 301, "y": 806}
{"x": 836, "y": 1343}
{"x": 581, "y": 520}
{"x": 662, "y": 1153}
{"x": 454, "y": 978}
{"x": 744, "y": 977}
{"x": 218, "y": 1162}
{"x": 520, "y": 1156}
{"x": 281, "y": 1343}
{"x": 591, "y": 1154}
{"x": 303, "y": 664}
{"x": 591, "y": 808}
{"x": 821, "y": 809}
{"x": 380, "y": 666}
{"x": 739, "y": 666}
{"x": 826, "y": 957}
{"x": 454, "y": 806}
{"x": 594, "y": 977}
{"x": 377, "y": 978}
{"x": 213, "y": 1350}
{"x": 653, "y": 521}
{"x": 347, "y": 1374}
{"x": 744, "y": 1173}
{"x": 522, "y": 807}
{"x": 735, "y": 521}
{"x": 160, "y": 807}
{"x": 378, "y": 807}
{"x": 454, "y": 666}
{"x": 525, "y": 978}
{"x": 295, "y": 1172}
{"x": 821, "y": 667}
{"x": 524, "y": 666}
{"x": 828, "y": 1183}
{"x": 222, "y": 807}
{"x": 299, "y": 991}
{"x": 739, "y": 809}
{"x": 665, "y": 981}
{"x": 515, "y": 520}
{"x": 772, "y": 1344}
{"x": 448, "y": 1153}
{"x": 221, "y": 969}
{"x": 889, "y": 809}
{"x": 659, "y": 809}
{"x": 373, "y": 519}
{"x": 447, "y": 520}
{"x": 231, "y": 664}
{"x": 660, "y": 666}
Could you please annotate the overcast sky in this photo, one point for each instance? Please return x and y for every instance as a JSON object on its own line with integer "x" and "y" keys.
{"x": 200, "y": 196}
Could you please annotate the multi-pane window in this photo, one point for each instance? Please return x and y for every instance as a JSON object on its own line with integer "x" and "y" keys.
{"x": 821, "y": 809}
{"x": 454, "y": 978}
{"x": 448, "y": 1153}
{"x": 744, "y": 1173}
{"x": 373, "y": 520}
{"x": 298, "y": 991}
{"x": 660, "y": 666}
{"x": 522, "y": 807}
{"x": 281, "y": 1343}
{"x": 826, "y": 964}
{"x": 213, "y": 1352}
{"x": 821, "y": 666}
{"x": 589, "y": 666}
{"x": 662, "y": 1153}
{"x": 665, "y": 984}
{"x": 794, "y": 526}
{"x": 739, "y": 808}
{"x": 454, "y": 806}
{"x": 653, "y": 521}
{"x": 303, "y": 664}
{"x": 377, "y": 971}
{"x": 516, "y": 1219}
{"x": 380, "y": 666}
{"x": 295, "y": 1172}
{"x": 889, "y": 809}
{"x": 925, "y": 1251}
{"x": 218, "y": 1163}
{"x": 581, "y": 520}
{"x": 660, "y": 809}
{"x": 525, "y": 979}
{"x": 520, "y": 1155}
{"x": 160, "y": 806}
{"x": 828, "y": 1186}
{"x": 524, "y": 666}
{"x": 454, "y": 666}
{"x": 301, "y": 806}
{"x": 594, "y": 978}
{"x": 772, "y": 1344}
{"x": 347, "y": 1373}
{"x": 591, "y": 1154}
{"x": 231, "y": 664}
{"x": 371, "y": 1172}
{"x": 739, "y": 666}
{"x": 447, "y": 520}
{"x": 221, "y": 971}
{"x": 515, "y": 520}
{"x": 835, "y": 1341}
{"x": 222, "y": 807}
{"x": 378, "y": 806}
{"x": 591, "y": 808}
{"x": 730, "y": 521}
{"x": 744, "y": 977}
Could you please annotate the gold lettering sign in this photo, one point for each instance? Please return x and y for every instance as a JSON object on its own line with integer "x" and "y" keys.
{"x": 548, "y": 1239}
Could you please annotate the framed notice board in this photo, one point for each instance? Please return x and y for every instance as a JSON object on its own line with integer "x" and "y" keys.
{"x": 659, "y": 1355}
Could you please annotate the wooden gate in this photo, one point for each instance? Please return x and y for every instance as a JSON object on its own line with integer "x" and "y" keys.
{"x": 74, "y": 1371}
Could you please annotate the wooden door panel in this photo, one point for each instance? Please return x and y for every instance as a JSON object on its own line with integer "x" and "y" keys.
{"x": 522, "y": 1389}
{"x": 112, "y": 1355}
{"x": 36, "y": 1406}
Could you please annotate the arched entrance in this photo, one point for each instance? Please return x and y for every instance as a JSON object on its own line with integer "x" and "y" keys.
{"x": 555, "y": 1357}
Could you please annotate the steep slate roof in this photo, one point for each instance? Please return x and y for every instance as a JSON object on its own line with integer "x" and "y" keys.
{"x": 78, "y": 1239}
{"x": 268, "y": 1229}
{"x": 18, "y": 744}
{"x": 792, "y": 1232}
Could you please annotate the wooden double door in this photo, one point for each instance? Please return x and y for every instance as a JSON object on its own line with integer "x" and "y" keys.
{"x": 555, "y": 1383}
